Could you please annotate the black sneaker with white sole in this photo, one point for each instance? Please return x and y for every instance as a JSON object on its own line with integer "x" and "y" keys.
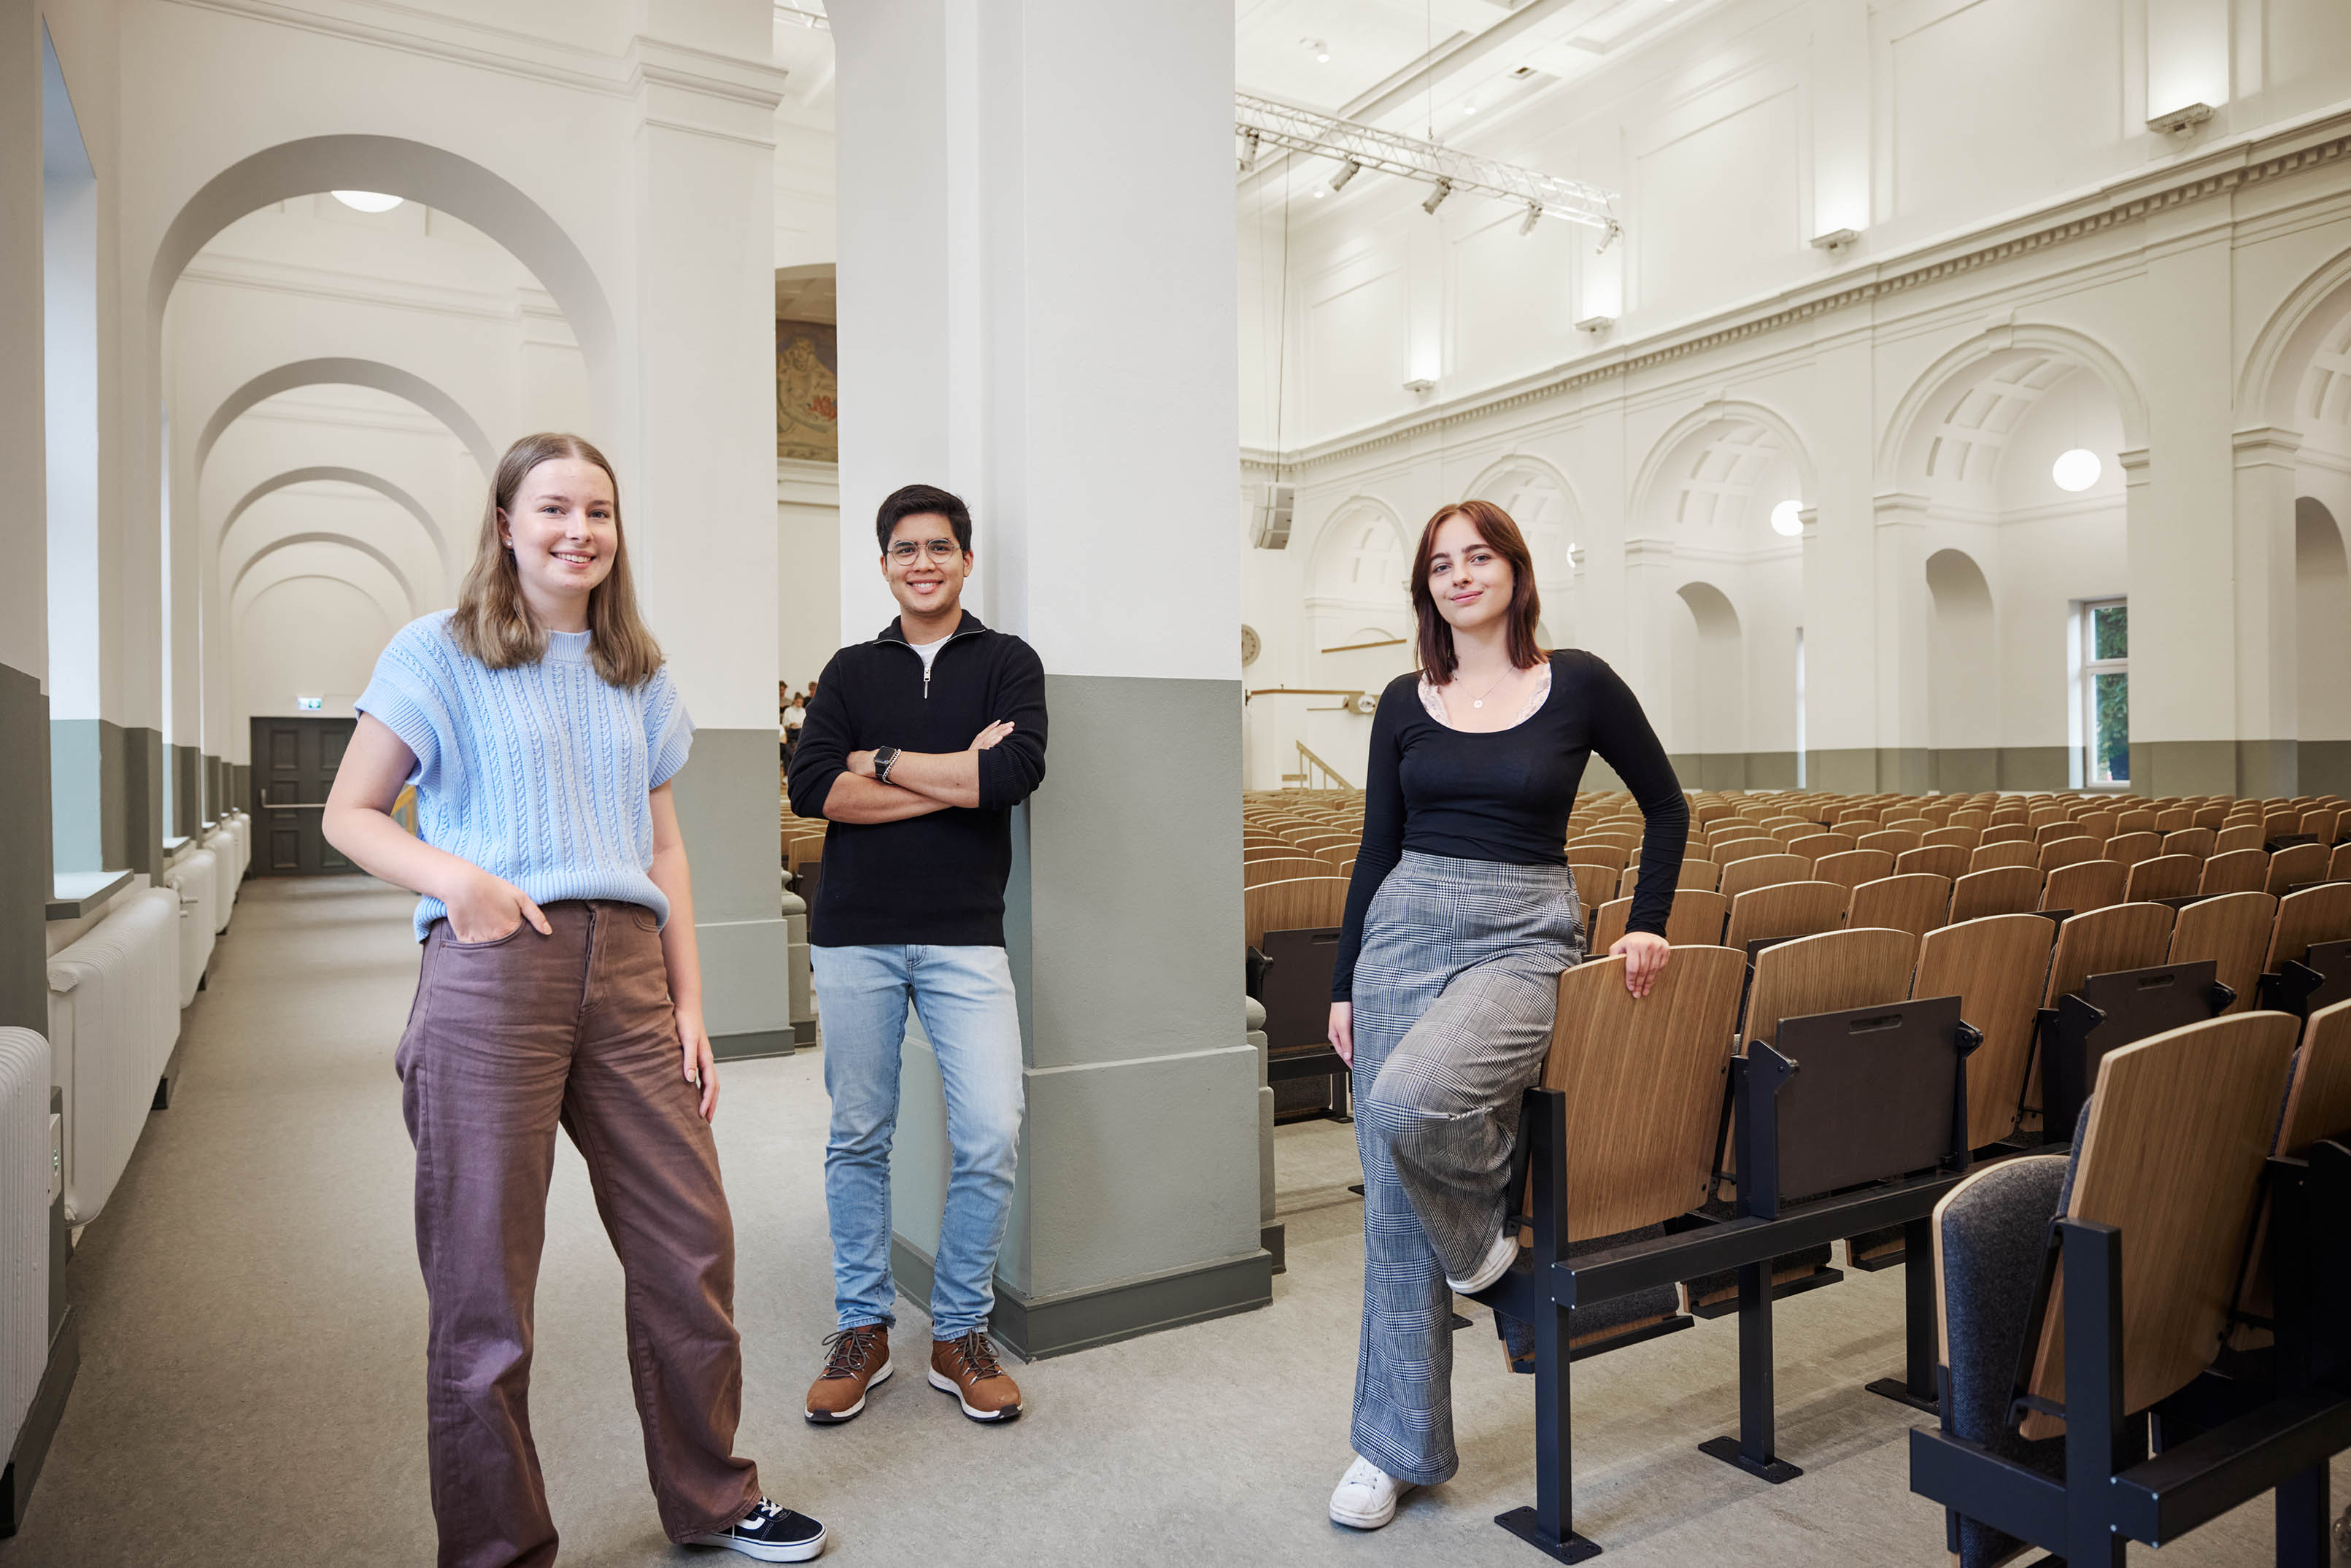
{"x": 770, "y": 1532}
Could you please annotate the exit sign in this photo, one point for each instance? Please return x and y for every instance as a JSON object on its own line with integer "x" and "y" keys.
{"x": 309, "y": 705}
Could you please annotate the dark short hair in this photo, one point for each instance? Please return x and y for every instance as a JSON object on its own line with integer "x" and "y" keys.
{"x": 921, "y": 500}
{"x": 1501, "y": 536}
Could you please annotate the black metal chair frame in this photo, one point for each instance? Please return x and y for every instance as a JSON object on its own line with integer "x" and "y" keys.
{"x": 2273, "y": 1425}
{"x": 1545, "y": 1285}
{"x": 2320, "y": 977}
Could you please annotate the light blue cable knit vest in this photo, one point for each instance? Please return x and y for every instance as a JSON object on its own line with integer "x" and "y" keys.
{"x": 540, "y": 774}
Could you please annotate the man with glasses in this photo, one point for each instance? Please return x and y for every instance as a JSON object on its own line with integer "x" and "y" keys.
{"x": 916, "y": 747}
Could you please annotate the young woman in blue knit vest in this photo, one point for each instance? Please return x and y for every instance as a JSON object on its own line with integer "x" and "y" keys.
{"x": 559, "y": 985}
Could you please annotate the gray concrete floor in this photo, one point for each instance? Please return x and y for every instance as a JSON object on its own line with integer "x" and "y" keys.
{"x": 253, "y": 1331}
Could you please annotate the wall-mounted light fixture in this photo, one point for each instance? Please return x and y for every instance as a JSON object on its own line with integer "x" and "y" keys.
{"x": 2187, "y": 117}
{"x": 1420, "y": 386}
{"x": 1595, "y": 324}
{"x": 1834, "y": 240}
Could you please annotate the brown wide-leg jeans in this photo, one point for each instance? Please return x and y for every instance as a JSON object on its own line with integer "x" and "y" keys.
{"x": 506, "y": 1040}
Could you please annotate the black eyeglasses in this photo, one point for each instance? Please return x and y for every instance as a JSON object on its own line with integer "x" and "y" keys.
{"x": 940, "y": 550}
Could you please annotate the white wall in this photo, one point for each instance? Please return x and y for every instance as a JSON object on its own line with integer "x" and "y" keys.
{"x": 2025, "y": 259}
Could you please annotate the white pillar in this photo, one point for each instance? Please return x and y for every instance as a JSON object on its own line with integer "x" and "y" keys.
{"x": 1905, "y": 616}
{"x": 1038, "y": 311}
{"x": 2269, "y": 715}
{"x": 701, "y": 505}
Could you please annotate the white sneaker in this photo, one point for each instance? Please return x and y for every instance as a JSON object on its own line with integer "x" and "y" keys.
{"x": 1498, "y": 1259}
{"x": 1366, "y": 1497}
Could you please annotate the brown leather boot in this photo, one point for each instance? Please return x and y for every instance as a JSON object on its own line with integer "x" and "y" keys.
{"x": 859, "y": 1358}
{"x": 967, "y": 1368}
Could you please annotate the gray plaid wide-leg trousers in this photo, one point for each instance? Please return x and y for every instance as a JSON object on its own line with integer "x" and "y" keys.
{"x": 1456, "y": 987}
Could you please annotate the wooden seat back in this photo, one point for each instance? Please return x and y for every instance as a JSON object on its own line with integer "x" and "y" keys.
{"x": 1784, "y": 909}
{"x": 1702, "y": 874}
{"x": 2085, "y": 885}
{"x": 1816, "y": 845}
{"x": 1947, "y": 861}
{"x": 2003, "y": 890}
{"x": 1283, "y": 868}
{"x": 1300, "y": 904}
{"x": 1728, "y": 851}
{"x": 1856, "y": 967}
{"x": 1996, "y": 967}
{"x": 1851, "y": 868}
{"x": 1696, "y": 921}
{"x": 1916, "y": 901}
{"x": 2006, "y": 831}
{"x": 2129, "y": 849}
{"x": 2138, "y": 821}
{"x": 2178, "y": 1129}
{"x": 1893, "y": 841}
{"x": 2321, "y": 914}
{"x": 1598, "y": 852}
{"x": 2197, "y": 841}
{"x": 2294, "y": 866}
{"x": 2235, "y": 870}
{"x": 2067, "y": 852}
{"x": 2338, "y": 864}
{"x": 1643, "y": 1079}
{"x": 2233, "y": 931}
{"x": 2016, "y": 851}
{"x": 2119, "y": 937}
{"x": 2165, "y": 876}
{"x": 1595, "y": 884}
{"x": 1959, "y": 837}
{"x": 2241, "y": 836}
{"x": 1763, "y": 871}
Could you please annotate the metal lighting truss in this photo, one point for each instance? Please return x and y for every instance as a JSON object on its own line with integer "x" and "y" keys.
{"x": 1260, "y": 122}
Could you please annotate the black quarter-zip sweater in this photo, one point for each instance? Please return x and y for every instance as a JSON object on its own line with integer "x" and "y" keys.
{"x": 936, "y": 879}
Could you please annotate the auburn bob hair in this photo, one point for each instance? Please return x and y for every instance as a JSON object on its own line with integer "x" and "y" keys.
{"x": 1502, "y": 537}
{"x": 495, "y": 624}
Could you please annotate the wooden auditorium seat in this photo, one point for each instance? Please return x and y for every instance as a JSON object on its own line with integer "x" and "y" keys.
{"x": 1763, "y": 871}
{"x": 1996, "y": 967}
{"x": 2085, "y": 885}
{"x": 2165, "y": 876}
{"x": 2235, "y": 870}
{"x": 2233, "y": 931}
{"x": 1916, "y": 901}
{"x": 2003, "y": 890}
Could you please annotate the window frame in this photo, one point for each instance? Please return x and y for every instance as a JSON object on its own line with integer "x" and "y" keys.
{"x": 2090, "y": 667}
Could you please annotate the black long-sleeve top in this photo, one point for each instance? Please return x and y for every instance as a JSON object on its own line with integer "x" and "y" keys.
{"x": 1507, "y": 794}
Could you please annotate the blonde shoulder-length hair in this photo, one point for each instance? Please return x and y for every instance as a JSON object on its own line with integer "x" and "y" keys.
{"x": 495, "y": 624}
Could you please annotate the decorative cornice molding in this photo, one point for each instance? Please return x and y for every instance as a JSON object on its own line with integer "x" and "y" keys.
{"x": 2256, "y": 158}
{"x": 2266, "y": 445}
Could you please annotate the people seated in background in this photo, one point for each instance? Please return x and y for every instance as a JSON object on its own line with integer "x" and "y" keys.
{"x": 916, "y": 745}
{"x": 788, "y": 724}
{"x": 1460, "y": 917}
{"x": 559, "y": 984}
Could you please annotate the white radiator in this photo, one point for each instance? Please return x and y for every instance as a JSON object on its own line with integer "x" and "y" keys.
{"x": 226, "y": 841}
{"x": 24, "y": 1224}
{"x": 196, "y": 876}
{"x": 114, "y": 1016}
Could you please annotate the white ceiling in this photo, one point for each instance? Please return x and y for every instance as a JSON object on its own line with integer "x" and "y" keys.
{"x": 1408, "y": 64}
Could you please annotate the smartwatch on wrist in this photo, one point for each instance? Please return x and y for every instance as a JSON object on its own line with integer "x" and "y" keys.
{"x": 884, "y": 759}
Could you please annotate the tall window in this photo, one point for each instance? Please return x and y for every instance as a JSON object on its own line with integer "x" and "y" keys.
{"x": 2105, "y": 690}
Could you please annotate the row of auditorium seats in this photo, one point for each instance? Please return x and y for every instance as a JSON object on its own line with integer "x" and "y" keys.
{"x": 1943, "y": 1011}
{"x": 74, "y": 1102}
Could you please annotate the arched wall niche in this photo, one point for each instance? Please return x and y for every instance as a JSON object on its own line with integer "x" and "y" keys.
{"x": 1994, "y": 369}
{"x": 339, "y": 371}
{"x": 1710, "y": 480}
{"x": 254, "y": 562}
{"x": 420, "y": 172}
{"x": 317, "y": 634}
{"x": 2294, "y": 375}
{"x": 358, "y": 476}
{"x": 327, "y": 561}
{"x": 2322, "y": 573}
{"x": 1963, "y": 725}
{"x": 1361, "y": 554}
{"x": 1542, "y": 501}
{"x": 1708, "y": 720}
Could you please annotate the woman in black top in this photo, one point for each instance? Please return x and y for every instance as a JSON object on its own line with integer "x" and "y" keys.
{"x": 1460, "y": 918}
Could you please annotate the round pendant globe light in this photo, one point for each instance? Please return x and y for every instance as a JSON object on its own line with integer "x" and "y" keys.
{"x": 1787, "y": 519}
{"x": 2077, "y": 470}
{"x": 365, "y": 201}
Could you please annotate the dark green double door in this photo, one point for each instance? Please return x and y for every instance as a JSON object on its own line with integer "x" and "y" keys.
{"x": 294, "y": 763}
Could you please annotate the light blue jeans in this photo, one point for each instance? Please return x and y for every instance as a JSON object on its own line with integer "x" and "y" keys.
{"x": 964, "y": 997}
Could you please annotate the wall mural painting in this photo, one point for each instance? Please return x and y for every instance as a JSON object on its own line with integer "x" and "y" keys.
{"x": 806, "y": 392}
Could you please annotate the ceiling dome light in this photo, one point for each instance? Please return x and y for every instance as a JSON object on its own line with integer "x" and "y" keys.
{"x": 1318, "y": 49}
{"x": 2077, "y": 470}
{"x": 1787, "y": 519}
{"x": 365, "y": 201}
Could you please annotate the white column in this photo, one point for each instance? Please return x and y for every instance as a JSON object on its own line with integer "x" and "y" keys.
{"x": 700, "y": 507}
{"x": 2269, "y": 715}
{"x": 1905, "y": 614}
{"x": 1037, "y": 311}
